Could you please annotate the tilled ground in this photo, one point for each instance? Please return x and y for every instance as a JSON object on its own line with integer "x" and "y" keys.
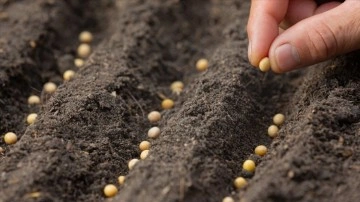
{"x": 84, "y": 136}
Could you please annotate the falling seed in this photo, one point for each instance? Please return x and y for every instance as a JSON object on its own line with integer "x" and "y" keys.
{"x": 264, "y": 64}
{"x": 260, "y": 150}
{"x": 85, "y": 37}
{"x": 79, "y": 62}
{"x": 144, "y": 154}
{"x": 84, "y": 50}
{"x": 68, "y": 75}
{"x": 132, "y": 163}
{"x": 273, "y": 131}
{"x": 31, "y": 118}
{"x": 33, "y": 100}
{"x": 228, "y": 199}
{"x": 121, "y": 179}
{"x": 10, "y": 138}
{"x": 110, "y": 190}
{"x": 240, "y": 182}
{"x": 202, "y": 65}
{"x": 154, "y": 132}
{"x": 279, "y": 119}
{"x": 50, "y": 87}
{"x": 144, "y": 145}
{"x": 154, "y": 116}
{"x": 249, "y": 165}
{"x": 167, "y": 104}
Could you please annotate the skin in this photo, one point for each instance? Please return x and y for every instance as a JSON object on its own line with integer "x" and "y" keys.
{"x": 298, "y": 33}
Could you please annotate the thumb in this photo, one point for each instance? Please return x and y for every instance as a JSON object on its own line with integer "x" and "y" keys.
{"x": 317, "y": 38}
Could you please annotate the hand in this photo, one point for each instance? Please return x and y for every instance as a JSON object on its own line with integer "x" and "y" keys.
{"x": 315, "y": 33}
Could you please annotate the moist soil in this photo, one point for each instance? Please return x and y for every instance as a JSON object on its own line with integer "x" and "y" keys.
{"x": 84, "y": 136}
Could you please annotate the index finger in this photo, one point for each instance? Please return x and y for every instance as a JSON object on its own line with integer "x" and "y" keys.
{"x": 263, "y": 26}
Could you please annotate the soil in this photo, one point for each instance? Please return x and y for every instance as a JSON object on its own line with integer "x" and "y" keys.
{"x": 84, "y": 136}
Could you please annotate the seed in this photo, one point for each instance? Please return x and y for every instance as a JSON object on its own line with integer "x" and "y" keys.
{"x": 240, "y": 182}
{"x": 50, "y": 87}
{"x": 110, "y": 190}
{"x": 33, "y": 100}
{"x": 144, "y": 154}
{"x": 68, "y": 75}
{"x": 84, "y": 50}
{"x": 202, "y": 65}
{"x": 249, "y": 165}
{"x": 278, "y": 119}
{"x": 32, "y": 44}
{"x": 273, "y": 131}
{"x": 154, "y": 116}
{"x": 260, "y": 150}
{"x": 121, "y": 179}
{"x": 2, "y": 150}
{"x": 79, "y": 62}
{"x": 30, "y": 119}
{"x": 176, "y": 85}
{"x": 264, "y": 64}
{"x": 132, "y": 163}
{"x": 144, "y": 145}
{"x": 85, "y": 37}
{"x": 10, "y": 138}
{"x": 167, "y": 104}
{"x": 228, "y": 199}
{"x": 154, "y": 132}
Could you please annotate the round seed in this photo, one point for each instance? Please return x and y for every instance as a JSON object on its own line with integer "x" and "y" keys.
{"x": 110, "y": 190}
{"x": 273, "y": 131}
{"x": 167, "y": 104}
{"x": 84, "y": 50}
{"x": 260, "y": 150}
{"x": 10, "y": 138}
{"x": 68, "y": 75}
{"x": 2, "y": 150}
{"x": 176, "y": 85}
{"x": 31, "y": 118}
{"x": 121, "y": 179}
{"x": 278, "y": 119}
{"x": 228, "y": 199}
{"x": 249, "y": 165}
{"x": 144, "y": 154}
{"x": 50, "y": 87}
{"x": 154, "y": 116}
{"x": 154, "y": 132}
{"x": 33, "y": 100}
{"x": 85, "y": 37}
{"x": 79, "y": 62}
{"x": 264, "y": 64}
{"x": 240, "y": 182}
{"x": 132, "y": 163}
{"x": 202, "y": 65}
{"x": 144, "y": 145}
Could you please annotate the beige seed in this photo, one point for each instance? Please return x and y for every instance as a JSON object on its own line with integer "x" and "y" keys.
{"x": 240, "y": 182}
{"x": 33, "y": 100}
{"x": 273, "y": 131}
{"x": 249, "y": 165}
{"x": 121, "y": 179}
{"x": 10, "y": 138}
{"x": 31, "y": 118}
{"x": 202, "y": 65}
{"x": 68, "y": 75}
{"x": 260, "y": 150}
{"x": 154, "y": 116}
{"x": 144, "y": 154}
{"x": 2, "y": 150}
{"x": 50, "y": 87}
{"x": 228, "y": 199}
{"x": 144, "y": 145}
{"x": 85, "y": 37}
{"x": 279, "y": 119}
{"x": 264, "y": 64}
{"x": 167, "y": 104}
{"x": 176, "y": 85}
{"x": 132, "y": 163}
{"x": 84, "y": 50}
{"x": 79, "y": 62}
{"x": 154, "y": 132}
{"x": 110, "y": 190}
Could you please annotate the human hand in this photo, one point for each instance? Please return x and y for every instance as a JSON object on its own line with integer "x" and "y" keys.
{"x": 315, "y": 33}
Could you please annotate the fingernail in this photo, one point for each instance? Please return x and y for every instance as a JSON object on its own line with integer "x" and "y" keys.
{"x": 287, "y": 57}
{"x": 249, "y": 51}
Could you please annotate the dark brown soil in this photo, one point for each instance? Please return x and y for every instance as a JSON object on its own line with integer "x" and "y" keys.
{"x": 84, "y": 136}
